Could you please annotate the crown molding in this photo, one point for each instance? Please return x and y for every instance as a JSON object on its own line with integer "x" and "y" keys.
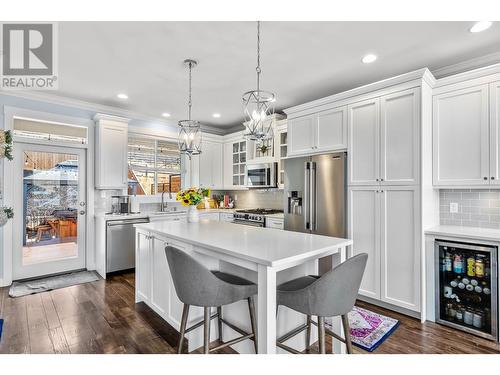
{"x": 469, "y": 75}
{"x": 467, "y": 65}
{"x": 422, "y": 74}
{"x": 100, "y": 109}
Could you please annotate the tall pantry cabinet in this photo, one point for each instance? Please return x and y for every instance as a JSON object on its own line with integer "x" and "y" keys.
{"x": 389, "y": 136}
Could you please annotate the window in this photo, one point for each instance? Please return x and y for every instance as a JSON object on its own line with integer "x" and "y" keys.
{"x": 154, "y": 166}
{"x": 40, "y": 130}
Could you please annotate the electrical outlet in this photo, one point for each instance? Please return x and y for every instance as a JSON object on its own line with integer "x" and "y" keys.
{"x": 453, "y": 208}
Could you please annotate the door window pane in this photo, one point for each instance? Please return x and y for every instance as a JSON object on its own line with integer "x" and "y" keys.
{"x": 50, "y": 206}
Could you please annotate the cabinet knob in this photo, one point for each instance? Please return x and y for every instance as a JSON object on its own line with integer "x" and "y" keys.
{"x": 485, "y": 178}
{"x": 492, "y": 177}
{"x": 381, "y": 179}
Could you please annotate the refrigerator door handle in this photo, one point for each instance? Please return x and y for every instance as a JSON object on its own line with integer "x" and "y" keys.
{"x": 312, "y": 204}
{"x": 307, "y": 192}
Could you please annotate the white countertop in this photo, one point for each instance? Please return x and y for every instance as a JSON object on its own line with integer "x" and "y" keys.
{"x": 260, "y": 245}
{"x": 472, "y": 233}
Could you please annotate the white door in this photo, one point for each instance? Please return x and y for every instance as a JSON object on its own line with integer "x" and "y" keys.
{"x": 495, "y": 133}
{"x": 301, "y": 135}
{"x": 50, "y": 210}
{"x": 461, "y": 137}
{"x": 364, "y": 229}
{"x": 331, "y": 130}
{"x": 400, "y": 255}
{"x": 399, "y": 138}
{"x": 364, "y": 141}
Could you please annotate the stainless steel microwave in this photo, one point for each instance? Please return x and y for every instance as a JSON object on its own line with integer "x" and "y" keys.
{"x": 263, "y": 175}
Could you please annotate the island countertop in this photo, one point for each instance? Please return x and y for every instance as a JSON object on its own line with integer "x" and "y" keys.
{"x": 268, "y": 247}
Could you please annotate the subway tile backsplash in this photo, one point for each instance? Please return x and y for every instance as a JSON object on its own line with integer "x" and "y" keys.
{"x": 476, "y": 208}
{"x": 258, "y": 198}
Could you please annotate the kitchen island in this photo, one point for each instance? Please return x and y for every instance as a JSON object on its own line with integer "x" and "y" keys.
{"x": 265, "y": 256}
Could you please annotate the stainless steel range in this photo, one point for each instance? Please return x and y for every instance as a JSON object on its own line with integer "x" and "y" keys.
{"x": 255, "y": 217}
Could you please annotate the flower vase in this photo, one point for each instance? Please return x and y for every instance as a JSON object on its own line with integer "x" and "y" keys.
{"x": 193, "y": 215}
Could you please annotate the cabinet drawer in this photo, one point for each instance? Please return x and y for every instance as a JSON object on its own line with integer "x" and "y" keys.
{"x": 274, "y": 223}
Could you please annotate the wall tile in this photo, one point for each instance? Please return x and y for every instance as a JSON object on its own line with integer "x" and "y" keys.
{"x": 476, "y": 208}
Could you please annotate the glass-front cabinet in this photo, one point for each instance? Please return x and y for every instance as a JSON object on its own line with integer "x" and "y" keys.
{"x": 239, "y": 163}
{"x": 281, "y": 150}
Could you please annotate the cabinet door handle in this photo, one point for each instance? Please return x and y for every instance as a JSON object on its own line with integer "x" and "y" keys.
{"x": 492, "y": 177}
{"x": 381, "y": 179}
{"x": 485, "y": 178}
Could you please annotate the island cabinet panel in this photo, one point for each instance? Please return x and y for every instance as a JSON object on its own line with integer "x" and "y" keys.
{"x": 364, "y": 230}
{"x": 461, "y": 137}
{"x": 400, "y": 260}
{"x": 364, "y": 142}
{"x": 142, "y": 267}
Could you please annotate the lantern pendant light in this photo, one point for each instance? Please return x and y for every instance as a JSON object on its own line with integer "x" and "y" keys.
{"x": 189, "y": 130}
{"x": 258, "y": 107}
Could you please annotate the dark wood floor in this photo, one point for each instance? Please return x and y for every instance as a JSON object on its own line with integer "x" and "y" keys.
{"x": 101, "y": 317}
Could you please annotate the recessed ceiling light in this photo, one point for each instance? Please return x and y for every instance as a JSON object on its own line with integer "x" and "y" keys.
{"x": 480, "y": 26}
{"x": 367, "y": 59}
{"x": 122, "y": 96}
{"x": 165, "y": 114}
{"x": 216, "y": 115}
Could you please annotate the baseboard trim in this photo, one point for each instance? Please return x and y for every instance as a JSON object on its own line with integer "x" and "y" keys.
{"x": 388, "y": 306}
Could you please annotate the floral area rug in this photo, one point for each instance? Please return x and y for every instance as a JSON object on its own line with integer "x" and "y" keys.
{"x": 368, "y": 329}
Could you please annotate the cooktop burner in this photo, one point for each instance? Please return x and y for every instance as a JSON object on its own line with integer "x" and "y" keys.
{"x": 261, "y": 211}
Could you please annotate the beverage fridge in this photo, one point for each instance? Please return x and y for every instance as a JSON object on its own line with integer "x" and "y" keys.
{"x": 315, "y": 196}
{"x": 466, "y": 287}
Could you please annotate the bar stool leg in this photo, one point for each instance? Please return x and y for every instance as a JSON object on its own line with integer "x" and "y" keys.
{"x": 253, "y": 322}
{"x": 185, "y": 312}
{"x": 219, "y": 322}
{"x": 347, "y": 333}
{"x": 321, "y": 334}
{"x": 308, "y": 333}
{"x": 206, "y": 330}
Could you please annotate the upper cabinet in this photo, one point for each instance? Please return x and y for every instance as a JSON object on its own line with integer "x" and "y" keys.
{"x": 111, "y": 152}
{"x": 235, "y": 158}
{"x": 461, "y": 138}
{"x": 319, "y": 132}
{"x": 384, "y": 139}
{"x": 211, "y": 165}
{"x": 495, "y": 133}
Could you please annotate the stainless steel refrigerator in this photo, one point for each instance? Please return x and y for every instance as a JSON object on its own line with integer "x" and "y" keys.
{"x": 315, "y": 196}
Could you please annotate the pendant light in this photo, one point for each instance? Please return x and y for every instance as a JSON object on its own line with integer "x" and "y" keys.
{"x": 258, "y": 107}
{"x": 189, "y": 130}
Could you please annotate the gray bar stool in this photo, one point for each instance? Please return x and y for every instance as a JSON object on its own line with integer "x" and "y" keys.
{"x": 197, "y": 286}
{"x": 332, "y": 294}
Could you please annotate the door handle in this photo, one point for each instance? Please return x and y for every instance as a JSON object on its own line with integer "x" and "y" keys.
{"x": 312, "y": 209}
{"x": 307, "y": 181}
{"x": 82, "y": 212}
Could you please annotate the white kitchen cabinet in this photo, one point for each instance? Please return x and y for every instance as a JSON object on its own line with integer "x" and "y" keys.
{"x": 235, "y": 158}
{"x": 211, "y": 165}
{"x": 143, "y": 267}
{"x": 364, "y": 230}
{"x": 384, "y": 223}
{"x": 399, "y": 138}
{"x": 324, "y": 131}
{"x": 364, "y": 142}
{"x": 209, "y": 215}
{"x": 111, "y": 169}
{"x": 384, "y": 145}
{"x": 275, "y": 223}
{"x": 461, "y": 143}
{"x": 400, "y": 241}
{"x": 494, "y": 133}
{"x": 226, "y": 217}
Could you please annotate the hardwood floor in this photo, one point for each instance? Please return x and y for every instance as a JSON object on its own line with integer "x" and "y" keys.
{"x": 101, "y": 317}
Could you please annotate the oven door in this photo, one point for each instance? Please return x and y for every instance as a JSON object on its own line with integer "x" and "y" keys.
{"x": 249, "y": 223}
{"x": 261, "y": 175}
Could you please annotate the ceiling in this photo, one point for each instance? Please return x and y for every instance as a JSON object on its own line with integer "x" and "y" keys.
{"x": 301, "y": 61}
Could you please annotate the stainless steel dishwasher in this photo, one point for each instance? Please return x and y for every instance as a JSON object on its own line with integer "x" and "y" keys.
{"x": 120, "y": 244}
